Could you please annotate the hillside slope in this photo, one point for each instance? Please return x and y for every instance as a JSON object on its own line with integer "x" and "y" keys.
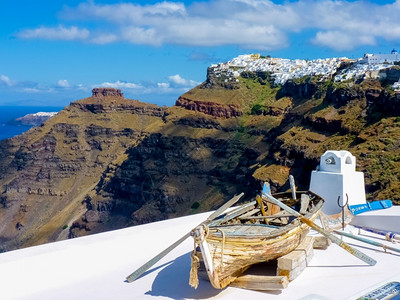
{"x": 106, "y": 162}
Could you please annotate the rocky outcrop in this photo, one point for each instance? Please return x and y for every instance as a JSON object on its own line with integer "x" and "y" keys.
{"x": 199, "y": 123}
{"x": 390, "y": 75}
{"x": 383, "y": 101}
{"x": 119, "y": 105}
{"x": 295, "y": 89}
{"x": 219, "y": 79}
{"x": 210, "y": 108}
{"x": 342, "y": 96}
{"x": 106, "y": 92}
{"x": 324, "y": 124}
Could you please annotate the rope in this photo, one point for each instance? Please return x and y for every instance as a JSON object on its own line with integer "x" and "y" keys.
{"x": 194, "y": 278}
{"x": 389, "y": 237}
{"x": 223, "y": 246}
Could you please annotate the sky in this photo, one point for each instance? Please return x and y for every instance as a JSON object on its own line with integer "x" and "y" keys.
{"x": 53, "y": 52}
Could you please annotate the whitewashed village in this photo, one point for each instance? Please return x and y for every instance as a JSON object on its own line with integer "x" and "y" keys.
{"x": 284, "y": 69}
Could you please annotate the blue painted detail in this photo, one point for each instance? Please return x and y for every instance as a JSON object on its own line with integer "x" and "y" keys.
{"x": 388, "y": 291}
{"x": 266, "y": 188}
{"x": 375, "y": 205}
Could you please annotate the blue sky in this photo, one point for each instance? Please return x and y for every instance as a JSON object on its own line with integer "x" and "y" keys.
{"x": 54, "y": 52}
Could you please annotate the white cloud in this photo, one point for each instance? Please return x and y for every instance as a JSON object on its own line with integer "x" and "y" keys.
{"x": 178, "y": 80}
{"x": 125, "y": 12}
{"x": 63, "y": 83}
{"x": 248, "y": 23}
{"x": 345, "y": 25}
{"x": 6, "y": 80}
{"x": 175, "y": 84}
{"x": 120, "y": 84}
{"x": 138, "y": 35}
{"x": 163, "y": 85}
{"x": 104, "y": 38}
{"x": 32, "y": 87}
{"x": 341, "y": 40}
{"x": 82, "y": 87}
{"x": 31, "y": 90}
{"x": 55, "y": 33}
{"x": 254, "y": 24}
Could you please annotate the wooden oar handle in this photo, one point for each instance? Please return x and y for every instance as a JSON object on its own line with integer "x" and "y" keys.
{"x": 135, "y": 275}
{"x": 365, "y": 258}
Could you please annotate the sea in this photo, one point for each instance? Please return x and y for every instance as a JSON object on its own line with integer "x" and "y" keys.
{"x": 9, "y": 113}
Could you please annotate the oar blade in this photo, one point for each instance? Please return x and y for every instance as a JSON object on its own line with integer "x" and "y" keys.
{"x": 224, "y": 207}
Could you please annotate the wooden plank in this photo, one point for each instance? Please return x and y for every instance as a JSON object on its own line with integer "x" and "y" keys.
{"x": 282, "y": 221}
{"x": 272, "y": 209}
{"x": 278, "y": 215}
{"x": 261, "y": 283}
{"x": 293, "y": 263}
{"x": 250, "y": 213}
{"x": 294, "y": 273}
{"x": 321, "y": 242}
{"x": 235, "y": 213}
{"x": 304, "y": 202}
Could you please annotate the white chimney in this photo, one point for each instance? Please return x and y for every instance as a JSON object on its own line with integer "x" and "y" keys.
{"x": 337, "y": 177}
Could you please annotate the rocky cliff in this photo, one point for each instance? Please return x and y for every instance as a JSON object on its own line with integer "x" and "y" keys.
{"x": 106, "y": 162}
{"x": 210, "y": 108}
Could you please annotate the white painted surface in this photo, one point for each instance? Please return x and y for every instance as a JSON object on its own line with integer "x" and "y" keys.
{"x": 337, "y": 177}
{"x": 383, "y": 219}
{"x": 95, "y": 267}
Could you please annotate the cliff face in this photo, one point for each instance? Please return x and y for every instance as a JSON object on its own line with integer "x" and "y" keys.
{"x": 106, "y": 162}
{"x": 210, "y": 108}
{"x": 48, "y": 171}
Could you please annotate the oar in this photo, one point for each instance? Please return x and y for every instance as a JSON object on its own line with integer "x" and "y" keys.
{"x": 334, "y": 239}
{"x": 136, "y": 274}
{"x": 292, "y": 186}
{"x": 261, "y": 204}
{"x": 368, "y": 241}
{"x": 389, "y": 236}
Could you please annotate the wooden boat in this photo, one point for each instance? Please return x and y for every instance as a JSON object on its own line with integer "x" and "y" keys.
{"x": 252, "y": 233}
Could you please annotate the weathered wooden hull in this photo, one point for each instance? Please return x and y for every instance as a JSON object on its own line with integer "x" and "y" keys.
{"x": 235, "y": 247}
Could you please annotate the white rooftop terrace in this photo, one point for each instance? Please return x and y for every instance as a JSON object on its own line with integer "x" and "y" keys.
{"x": 95, "y": 267}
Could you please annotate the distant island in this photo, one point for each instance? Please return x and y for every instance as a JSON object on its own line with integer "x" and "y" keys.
{"x": 32, "y": 119}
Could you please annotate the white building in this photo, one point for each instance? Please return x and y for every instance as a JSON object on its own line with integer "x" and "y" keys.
{"x": 381, "y": 58}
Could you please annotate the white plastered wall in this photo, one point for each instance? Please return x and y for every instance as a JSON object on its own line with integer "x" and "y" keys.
{"x": 337, "y": 177}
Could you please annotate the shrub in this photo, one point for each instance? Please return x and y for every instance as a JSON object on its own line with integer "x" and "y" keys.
{"x": 195, "y": 205}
